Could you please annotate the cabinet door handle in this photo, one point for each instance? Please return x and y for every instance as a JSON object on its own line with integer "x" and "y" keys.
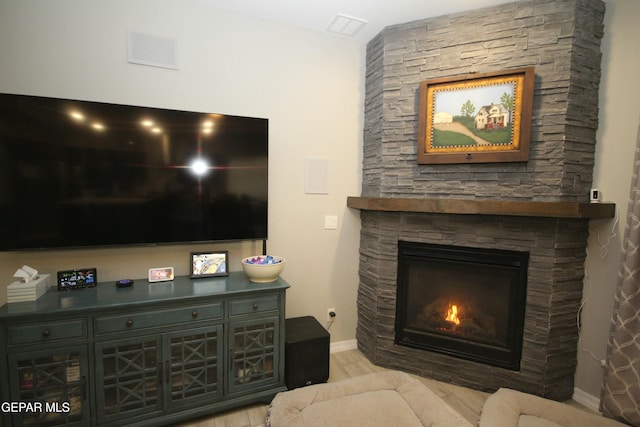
{"x": 129, "y": 323}
{"x": 255, "y": 306}
{"x": 45, "y": 333}
{"x": 83, "y": 386}
{"x": 168, "y": 373}
{"x": 160, "y": 373}
{"x": 194, "y": 314}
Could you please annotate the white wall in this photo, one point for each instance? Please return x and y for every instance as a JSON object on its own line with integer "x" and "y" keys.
{"x": 616, "y": 137}
{"x": 310, "y": 86}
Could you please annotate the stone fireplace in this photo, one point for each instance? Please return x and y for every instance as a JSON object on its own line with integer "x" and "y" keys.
{"x": 538, "y": 207}
{"x": 556, "y": 248}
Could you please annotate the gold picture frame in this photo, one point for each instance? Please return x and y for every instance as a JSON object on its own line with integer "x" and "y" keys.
{"x": 467, "y": 119}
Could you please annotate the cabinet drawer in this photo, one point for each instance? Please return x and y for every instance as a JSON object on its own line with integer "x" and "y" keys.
{"x": 136, "y": 321}
{"x": 43, "y": 332}
{"x": 253, "y": 305}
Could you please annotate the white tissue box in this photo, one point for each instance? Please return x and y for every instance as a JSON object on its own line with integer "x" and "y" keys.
{"x": 28, "y": 291}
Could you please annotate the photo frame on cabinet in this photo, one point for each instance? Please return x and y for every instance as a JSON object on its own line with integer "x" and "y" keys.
{"x": 209, "y": 264}
{"x": 160, "y": 274}
{"x": 476, "y": 118}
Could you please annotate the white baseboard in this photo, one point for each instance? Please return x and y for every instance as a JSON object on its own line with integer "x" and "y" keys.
{"x": 587, "y": 400}
{"x": 336, "y": 347}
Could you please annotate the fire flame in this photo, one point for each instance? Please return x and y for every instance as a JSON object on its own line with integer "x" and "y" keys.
{"x": 452, "y": 314}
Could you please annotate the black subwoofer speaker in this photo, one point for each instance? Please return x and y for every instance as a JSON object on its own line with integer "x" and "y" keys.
{"x": 306, "y": 352}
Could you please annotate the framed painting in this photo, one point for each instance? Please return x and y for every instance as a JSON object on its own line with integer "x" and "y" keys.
{"x": 476, "y": 118}
{"x": 209, "y": 264}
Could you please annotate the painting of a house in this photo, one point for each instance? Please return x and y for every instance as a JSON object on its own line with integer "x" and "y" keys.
{"x": 491, "y": 117}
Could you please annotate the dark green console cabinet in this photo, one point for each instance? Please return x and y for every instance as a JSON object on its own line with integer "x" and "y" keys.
{"x": 151, "y": 354}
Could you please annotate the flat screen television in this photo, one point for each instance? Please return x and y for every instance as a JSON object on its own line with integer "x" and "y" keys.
{"x": 77, "y": 174}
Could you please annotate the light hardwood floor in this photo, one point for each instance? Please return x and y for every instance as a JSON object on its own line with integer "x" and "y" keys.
{"x": 348, "y": 364}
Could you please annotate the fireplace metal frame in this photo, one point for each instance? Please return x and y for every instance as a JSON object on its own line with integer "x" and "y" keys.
{"x": 507, "y": 356}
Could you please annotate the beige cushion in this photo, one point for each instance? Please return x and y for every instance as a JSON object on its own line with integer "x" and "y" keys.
{"x": 510, "y": 408}
{"x": 382, "y": 399}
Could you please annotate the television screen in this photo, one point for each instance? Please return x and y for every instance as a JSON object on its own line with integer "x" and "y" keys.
{"x": 87, "y": 174}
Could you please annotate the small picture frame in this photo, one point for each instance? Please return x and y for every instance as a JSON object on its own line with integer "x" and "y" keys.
{"x": 161, "y": 274}
{"x": 209, "y": 264}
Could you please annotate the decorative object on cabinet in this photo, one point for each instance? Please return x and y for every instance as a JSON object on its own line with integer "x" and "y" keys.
{"x": 20, "y": 291}
{"x": 124, "y": 283}
{"x": 263, "y": 268}
{"x": 77, "y": 279}
{"x": 160, "y": 274}
{"x": 476, "y": 118}
{"x": 209, "y": 264}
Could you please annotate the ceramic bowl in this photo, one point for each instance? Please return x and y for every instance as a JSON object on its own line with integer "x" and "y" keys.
{"x": 259, "y": 270}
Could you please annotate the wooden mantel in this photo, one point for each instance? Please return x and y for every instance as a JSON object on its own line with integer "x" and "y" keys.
{"x": 485, "y": 207}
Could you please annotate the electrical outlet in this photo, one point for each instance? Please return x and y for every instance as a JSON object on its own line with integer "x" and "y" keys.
{"x": 331, "y": 314}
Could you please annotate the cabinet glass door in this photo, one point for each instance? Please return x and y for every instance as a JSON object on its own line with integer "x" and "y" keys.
{"x": 194, "y": 366}
{"x": 54, "y": 382}
{"x": 253, "y": 353}
{"x": 128, "y": 377}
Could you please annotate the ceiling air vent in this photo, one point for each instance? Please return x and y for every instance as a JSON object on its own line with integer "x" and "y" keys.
{"x": 346, "y": 25}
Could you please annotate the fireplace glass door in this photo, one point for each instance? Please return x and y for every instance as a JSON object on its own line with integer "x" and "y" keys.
{"x": 462, "y": 302}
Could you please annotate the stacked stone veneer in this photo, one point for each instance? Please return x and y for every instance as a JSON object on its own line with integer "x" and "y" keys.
{"x": 554, "y": 292}
{"x": 561, "y": 39}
